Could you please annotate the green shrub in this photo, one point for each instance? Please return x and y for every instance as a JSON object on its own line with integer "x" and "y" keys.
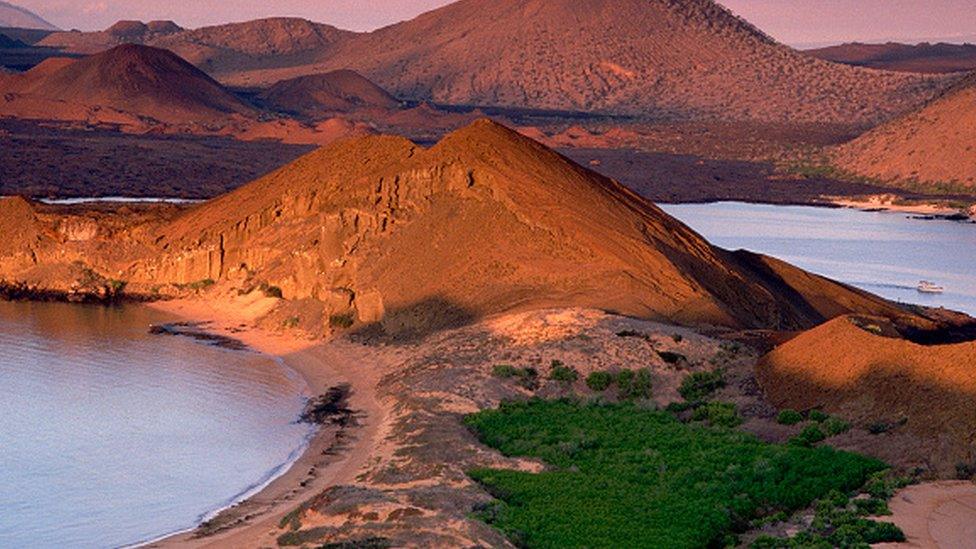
{"x": 343, "y": 321}
{"x": 700, "y": 385}
{"x": 504, "y": 371}
{"x": 818, "y": 416}
{"x": 871, "y": 507}
{"x": 624, "y": 380}
{"x": 525, "y": 377}
{"x": 810, "y": 435}
{"x": 599, "y": 381}
{"x": 623, "y": 476}
{"x": 562, "y": 373}
{"x": 642, "y": 386}
{"x": 789, "y": 417}
{"x": 835, "y": 426}
{"x": 719, "y": 414}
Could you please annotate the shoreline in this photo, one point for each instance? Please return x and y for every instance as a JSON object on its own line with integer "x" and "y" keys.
{"x": 332, "y": 455}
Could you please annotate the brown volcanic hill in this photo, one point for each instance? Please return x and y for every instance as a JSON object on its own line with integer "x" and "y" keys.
{"x": 18, "y": 17}
{"x": 322, "y": 94}
{"x": 217, "y": 49}
{"x": 683, "y": 59}
{"x": 484, "y": 222}
{"x": 138, "y": 80}
{"x": 848, "y": 367}
{"x": 934, "y": 146}
{"x": 919, "y": 58}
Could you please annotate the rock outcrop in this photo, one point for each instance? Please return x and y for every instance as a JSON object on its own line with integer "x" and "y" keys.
{"x": 378, "y": 229}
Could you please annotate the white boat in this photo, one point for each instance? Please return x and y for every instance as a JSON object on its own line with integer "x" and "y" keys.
{"x": 927, "y": 287}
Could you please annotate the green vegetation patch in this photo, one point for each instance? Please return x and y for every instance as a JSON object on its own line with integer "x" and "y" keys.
{"x": 562, "y": 373}
{"x": 789, "y": 417}
{"x": 700, "y": 385}
{"x": 626, "y": 476}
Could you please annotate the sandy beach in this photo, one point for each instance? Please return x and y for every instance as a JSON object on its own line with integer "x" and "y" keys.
{"x": 334, "y": 455}
{"x": 887, "y": 204}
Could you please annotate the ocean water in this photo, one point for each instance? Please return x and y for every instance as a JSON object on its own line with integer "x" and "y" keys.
{"x": 886, "y": 253}
{"x": 110, "y": 436}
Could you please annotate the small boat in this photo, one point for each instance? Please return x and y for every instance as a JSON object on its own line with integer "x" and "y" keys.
{"x": 927, "y": 287}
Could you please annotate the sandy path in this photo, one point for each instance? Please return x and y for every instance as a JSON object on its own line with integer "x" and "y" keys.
{"x": 936, "y": 515}
{"x": 323, "y": 365}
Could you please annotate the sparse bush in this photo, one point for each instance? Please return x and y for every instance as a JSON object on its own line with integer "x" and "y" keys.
{"x": 525, "y": 377}
{"x": 599, "y": 381}
{"x": 528, "y": 378}
{"x": 343, "y": 321}
{"x": 678, "y": 338}
{"x": 625, "y": 378}
{"x": 562, "y": 373}
{"x": 818, "y": 416}
{"x": 504, "y": 371}
{"x": 700, "y": 385}
{"x": 835, "y": 426}
{"x": 965, "y": 471}
{"x": 789, "y": 417}
{"x": 810, "y": 435}
{"x": 719, "y": 414}
{"x": 642, "y": 386}
{"x": 290, "y": 322}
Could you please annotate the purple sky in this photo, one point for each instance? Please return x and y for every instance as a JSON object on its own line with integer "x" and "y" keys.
{"x": 796, "y": 22}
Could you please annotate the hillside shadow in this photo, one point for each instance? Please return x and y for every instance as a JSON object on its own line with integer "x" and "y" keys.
{"x": 417, "y": 321}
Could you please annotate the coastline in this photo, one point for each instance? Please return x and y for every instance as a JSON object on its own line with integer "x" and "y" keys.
{"x": 333, "y": 454}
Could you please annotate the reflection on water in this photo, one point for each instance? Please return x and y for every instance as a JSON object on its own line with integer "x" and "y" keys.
{"x": 883, "y": 252}
{"x": 110, "y": 436}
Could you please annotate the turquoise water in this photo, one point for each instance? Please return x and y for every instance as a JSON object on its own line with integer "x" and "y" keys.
{"x": 883, "y": 252}
{"x": 110, "y": 436}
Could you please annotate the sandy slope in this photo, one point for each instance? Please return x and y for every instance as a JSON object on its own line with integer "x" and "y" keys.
{"x": 934, "y": 146}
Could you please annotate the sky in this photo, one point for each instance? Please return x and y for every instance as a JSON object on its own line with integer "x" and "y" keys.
{"x": 802, "y": 23}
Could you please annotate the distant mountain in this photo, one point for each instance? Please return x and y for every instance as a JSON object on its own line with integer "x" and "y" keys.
{"x": 659, "y": 58}
{"x": 218, "y": 49}
{"x": 136, "y": 80}
{"x": 687, "y": 59}
{"x": 932, "y": 147}
{"x": 322, "y": 94}
{"x": 919, "y": 58}
{"x": 18, "y": 17}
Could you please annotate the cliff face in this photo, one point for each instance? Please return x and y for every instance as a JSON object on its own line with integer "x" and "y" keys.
{"x": 487, "y": 221}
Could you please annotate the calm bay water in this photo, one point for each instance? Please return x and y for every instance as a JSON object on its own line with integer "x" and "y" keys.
{"x": 110, "y": 436}
{"x": 885, "y": 253}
